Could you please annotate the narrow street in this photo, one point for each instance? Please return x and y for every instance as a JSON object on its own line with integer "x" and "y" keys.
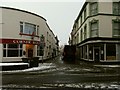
{"x": 60, "y": 75}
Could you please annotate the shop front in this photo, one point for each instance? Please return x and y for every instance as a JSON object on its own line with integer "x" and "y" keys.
{"x": 12, "y": 49}
{"x": 100, "y": 52}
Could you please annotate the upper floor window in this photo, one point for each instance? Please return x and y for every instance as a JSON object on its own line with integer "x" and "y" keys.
{"x": 28, "y": 28}
{"x": 81, "y": 19}
{"x": 77, "y": 38}
{"x": 84, "y": 14}
{"x": 116, "y": 8}
{"x": 94, "y": 29}
{"x": 81, "y": 34}
{"x": 116, "y": 28}
{"x": 85, "y": 31}
{"x": 93, "y": 8}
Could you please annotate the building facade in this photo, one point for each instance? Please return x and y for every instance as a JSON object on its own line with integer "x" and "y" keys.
{"x": 96, "y": 32}
{"x": 23, "y": 31}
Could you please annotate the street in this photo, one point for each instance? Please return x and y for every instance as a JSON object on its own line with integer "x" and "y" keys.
{"x": 60, "y": 75}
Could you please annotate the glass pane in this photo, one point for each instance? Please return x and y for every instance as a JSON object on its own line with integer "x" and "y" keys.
{"x": 4, "y": 45}
{"x": 21, "y": 45}
{"x": 12, "y": 53}
{"x": 111, "y": 52}
{"x": 94, "y": 26}
{"x": 94, "y": 33}
{"x": 21, "y": 28}
{"x": 90, "y": 51}
{"x": 116, "y": 8}
{"x": 21, "y": 52}
{"x": 93, "y": 8}
{"x": 12, "y": 45}
{"x": 116, "y": 25}
{"x": 116, "y": 32}
{"x": 29, "y": 28}
{"x": 4, "y": 53}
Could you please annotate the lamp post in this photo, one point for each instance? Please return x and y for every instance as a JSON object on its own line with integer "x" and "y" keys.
{"x": 42, "y": 45}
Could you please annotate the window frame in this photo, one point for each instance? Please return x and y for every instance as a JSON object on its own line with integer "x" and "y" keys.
{"x": 19, "y": 50}
{"x": 97, "y": 30}
{"x": 95, "y": 10}
{"x": 118, "y": 9}
{"x": 118, "y": 35}
{"x": 35, "y": 28}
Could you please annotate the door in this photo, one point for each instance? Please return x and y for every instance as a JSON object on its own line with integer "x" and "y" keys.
{"x": 96, "y": 54}
{"x": 30, "y": 52}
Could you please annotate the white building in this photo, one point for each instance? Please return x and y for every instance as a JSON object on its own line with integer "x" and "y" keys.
{"x": 24, "y": 31}
{"x": 96, "y": 31}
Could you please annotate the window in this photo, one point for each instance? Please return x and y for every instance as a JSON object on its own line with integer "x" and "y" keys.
{"x": 91, "y": 51}
{"x": 85, "y": 32}
{"x": 12, "y": 50}
{"x": 27, "y": 28}
{"x": 93, "y": 8}
{"x": 85, "y": 52}
{"x": 81, "y": 34}
{"x": 84, "y": 14}
{"x": 37, "y": 30}
{"x": 116, "y": 29}
{"x": 21, "y": 26}
{"x": 77, "y": 38}
{"x": 111, "y": 52}
{"x": 94, "y": 29}
{"x": 116, "y": 8}
{"x": 40, "y": 51}
{"x": 81, "y": 19}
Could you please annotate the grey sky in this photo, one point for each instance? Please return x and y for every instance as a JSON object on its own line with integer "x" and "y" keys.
{"x": 60, "y": 16}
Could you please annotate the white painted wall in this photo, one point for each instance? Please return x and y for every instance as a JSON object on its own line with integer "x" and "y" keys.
{"x": 105, "y": 7}
{"x": 11, "y": 28}
{"x": 105, "y": 26}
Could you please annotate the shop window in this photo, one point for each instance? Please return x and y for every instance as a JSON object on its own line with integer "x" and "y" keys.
{"x": 81, "y": 54}
{"x": 82, "y": 51}
{"x": 111, "y": 52}
{"x": 102, "y": 51}
{"x": 12, "y": 50}
{"x": 91, "y": 51}
{"x": 12, "y": 53}
{"x": 85, "y": 52}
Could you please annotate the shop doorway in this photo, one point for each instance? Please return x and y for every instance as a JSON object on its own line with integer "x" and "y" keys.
{"x": 29, "y": 50}
{"x": 97, "y": 54}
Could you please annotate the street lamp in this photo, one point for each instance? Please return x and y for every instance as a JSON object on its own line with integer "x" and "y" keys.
{"x": 42, "y": 45}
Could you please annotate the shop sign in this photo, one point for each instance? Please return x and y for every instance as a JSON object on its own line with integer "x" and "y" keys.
{"x": 18, "y": 41}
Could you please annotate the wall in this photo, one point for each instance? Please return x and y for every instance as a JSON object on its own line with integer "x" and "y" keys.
{"x": 11, "y": 29}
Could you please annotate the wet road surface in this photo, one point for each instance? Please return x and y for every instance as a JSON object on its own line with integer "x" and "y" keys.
{"x": 64, "y": 75}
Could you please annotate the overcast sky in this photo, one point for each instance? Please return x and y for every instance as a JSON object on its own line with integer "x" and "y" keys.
{"x": 60, "y": 14}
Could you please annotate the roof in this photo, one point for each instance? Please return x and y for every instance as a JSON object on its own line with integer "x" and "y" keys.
{"x": 23, "y": 11}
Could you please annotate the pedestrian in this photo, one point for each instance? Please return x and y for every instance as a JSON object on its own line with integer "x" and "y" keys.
{"x": 24, "y": 54}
